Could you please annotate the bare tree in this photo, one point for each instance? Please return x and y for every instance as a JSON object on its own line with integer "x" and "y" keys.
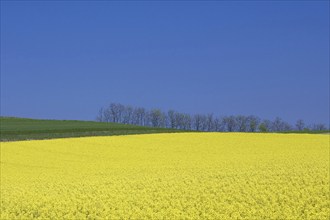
{"x": 277, "y": 124}
{"x": 171, "y": 119}
{"x": 230, "y": 123}
{"x": 114, "y": 112}
{"x": 157, "y": 118}
{"x": 222, "y": 123}
{"x": 179, "y": 118}
{"x": 139, "y": 115}
{"x": 241, "y": 123}
{"x": 186, "y": 122}
{"x": 107, "y": 115}
{"x": 319, "y": 127}
{"x": 100, "y": 116}
{"x": 265, "y": 126}
{"x": 121, "y": 110}
{"x": 218, "y": 124}
{"x": 209, "y": 122}
{"x": 203, "y": 124}
{"x": 128, "y": 115}
{"x": 197, "y": 122}
{"x": 147, "y": 118}
{"x": 280, "y": 125}
{"x": 300, "y": 125}
{"x": 253, "y": 123}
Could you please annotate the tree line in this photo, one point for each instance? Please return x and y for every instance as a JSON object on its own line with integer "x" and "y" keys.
{"x": 126, "y": 114}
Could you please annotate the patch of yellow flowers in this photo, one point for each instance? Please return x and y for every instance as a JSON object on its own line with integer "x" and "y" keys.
{"x": 167, "y": 176}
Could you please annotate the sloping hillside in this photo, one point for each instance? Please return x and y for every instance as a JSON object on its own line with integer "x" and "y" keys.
{"x": 13, "y": 129}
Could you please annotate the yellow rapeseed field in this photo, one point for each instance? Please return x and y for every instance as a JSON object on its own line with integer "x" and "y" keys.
{"x": 167, "y": 176}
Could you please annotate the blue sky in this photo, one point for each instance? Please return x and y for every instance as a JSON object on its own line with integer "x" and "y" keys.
{"x": 64, "y": 60}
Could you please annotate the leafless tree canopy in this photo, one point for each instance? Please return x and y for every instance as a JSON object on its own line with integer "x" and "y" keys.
{"x": 127, "y": 114}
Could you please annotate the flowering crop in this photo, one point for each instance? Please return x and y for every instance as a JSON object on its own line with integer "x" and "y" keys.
{"x": 167, "y": 176}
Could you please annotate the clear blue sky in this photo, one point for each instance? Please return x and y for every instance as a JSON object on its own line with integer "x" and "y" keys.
{"x": 64, "y": 60}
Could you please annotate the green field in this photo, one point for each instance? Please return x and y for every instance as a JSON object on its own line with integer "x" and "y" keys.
{"x": 13, "y": 129}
